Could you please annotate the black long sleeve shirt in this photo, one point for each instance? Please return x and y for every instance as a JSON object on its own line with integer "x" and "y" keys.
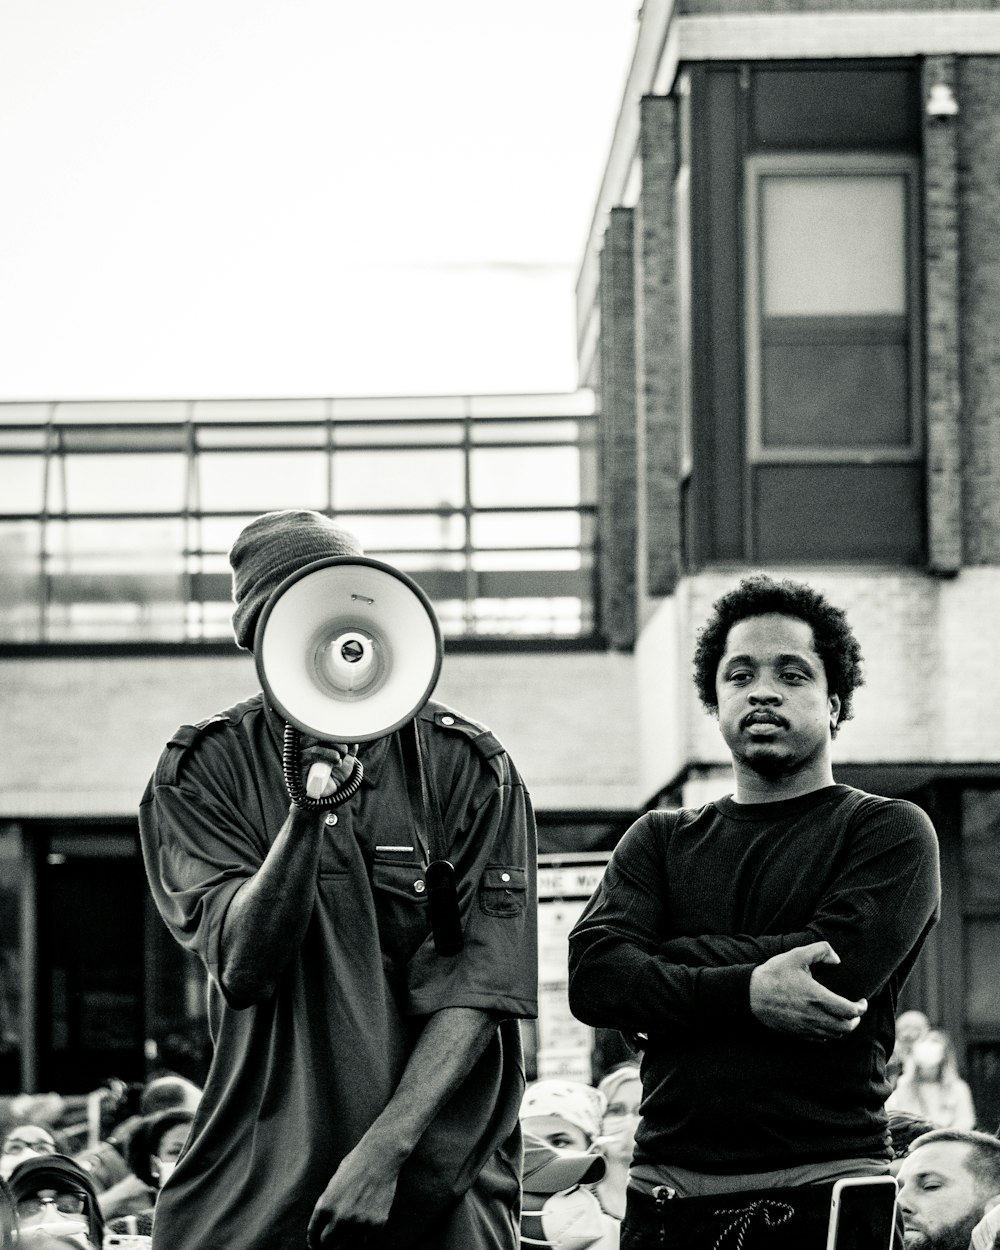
{"x": 690, "y": 904}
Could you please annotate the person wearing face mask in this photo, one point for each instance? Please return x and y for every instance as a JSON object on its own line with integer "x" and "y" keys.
{"x": 25, "y": 1141}
{"x": 153, "y": 1151}
{"x": 55, "y": 1198}
{"x": 559, "y": 1209}
{"x": 622, "y": 1088}
{"x": 565, "y": 1114}
{"x": 931, "y": 1087}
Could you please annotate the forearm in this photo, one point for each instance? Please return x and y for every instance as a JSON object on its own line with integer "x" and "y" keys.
{"x": 615, "y": 983}
{"x": 268, "y": 916}
{"x": 720, "y": 950}
{"x": 452, "y": 1041}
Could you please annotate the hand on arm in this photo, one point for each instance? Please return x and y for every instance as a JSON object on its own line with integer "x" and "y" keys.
{"x": 785, "y": 996}
{"x": 359, "y": 1195}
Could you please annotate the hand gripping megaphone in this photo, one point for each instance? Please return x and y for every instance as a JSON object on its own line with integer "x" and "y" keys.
{"x": 347, "y": 650}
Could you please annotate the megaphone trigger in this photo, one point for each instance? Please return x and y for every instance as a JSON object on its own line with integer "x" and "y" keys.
{"x": 319, "y": 776}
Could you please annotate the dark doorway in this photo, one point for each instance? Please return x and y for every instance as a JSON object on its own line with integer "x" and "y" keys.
{"x": 90, "y": 912}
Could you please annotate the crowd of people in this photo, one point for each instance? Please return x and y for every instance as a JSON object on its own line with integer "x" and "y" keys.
{"x": 578, "y": 1141}
{"x": 102, "y": 1193}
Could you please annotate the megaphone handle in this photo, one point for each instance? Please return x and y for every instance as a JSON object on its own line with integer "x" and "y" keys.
{"x": 319, "y": 774}
{"x": 291, "y": 767}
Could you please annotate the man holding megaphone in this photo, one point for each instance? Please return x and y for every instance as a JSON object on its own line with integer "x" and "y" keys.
{"x": 355, "y": 866}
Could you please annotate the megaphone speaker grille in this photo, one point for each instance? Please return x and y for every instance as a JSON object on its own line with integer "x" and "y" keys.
{"x": 348, "y": 649}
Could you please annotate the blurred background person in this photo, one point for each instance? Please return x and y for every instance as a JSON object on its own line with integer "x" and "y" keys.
{"x": 25, "y": 1141}
{"x": 910, "y": 1027}
{"x": 153, "y": 1151}
{"x": 55, "y": 1197}
{"x": 986, "y": 1234}
{"x": 930, "y": 1085}
{"x": 565, "y": 1114}
{"x": 622, "y": 1090}
{"x": 904, "y": 1129}
{"x": 8, "y": 1220}
{"x": 135, "y": 1190}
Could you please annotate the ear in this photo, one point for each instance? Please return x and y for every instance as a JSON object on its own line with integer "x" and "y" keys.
{"x": 834, "y": 712}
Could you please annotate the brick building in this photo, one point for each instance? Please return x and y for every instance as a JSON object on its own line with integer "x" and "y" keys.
{"x": 789, "y": 312}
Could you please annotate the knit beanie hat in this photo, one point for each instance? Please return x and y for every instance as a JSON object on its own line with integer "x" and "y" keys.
{"x": 271, "y": 548}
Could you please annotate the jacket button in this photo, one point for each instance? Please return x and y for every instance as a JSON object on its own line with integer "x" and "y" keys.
{"x": 447, "y": 720}
{"x": 419, "y": 886}
{"x": 330, "y": 818}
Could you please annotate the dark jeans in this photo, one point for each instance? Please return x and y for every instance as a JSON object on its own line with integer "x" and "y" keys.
{"x": 764, "y": 1219}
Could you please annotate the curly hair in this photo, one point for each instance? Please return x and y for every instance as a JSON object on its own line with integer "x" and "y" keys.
{"x": 760, "y": 595}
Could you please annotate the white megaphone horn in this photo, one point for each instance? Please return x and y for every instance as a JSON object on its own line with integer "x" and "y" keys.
{"x": 347, "y": 650}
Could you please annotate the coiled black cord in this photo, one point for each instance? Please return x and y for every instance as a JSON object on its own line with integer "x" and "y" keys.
{"x": 291, "y": 767}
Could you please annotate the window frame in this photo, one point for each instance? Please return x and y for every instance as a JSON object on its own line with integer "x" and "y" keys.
{"x": 828, "y": 164}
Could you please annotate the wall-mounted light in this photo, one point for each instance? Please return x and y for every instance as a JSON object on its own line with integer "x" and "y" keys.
{"x": 941, "y": 101}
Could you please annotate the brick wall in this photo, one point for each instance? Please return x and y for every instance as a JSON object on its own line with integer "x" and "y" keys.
{"x": 658, "y": 349}
{"x": 978, "y": 93}
{"x": 942, "y": 390}
{"x": 617, "y": 527}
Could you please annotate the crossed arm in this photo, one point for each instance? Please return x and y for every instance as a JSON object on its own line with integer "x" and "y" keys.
{"x": 814, "y": 982}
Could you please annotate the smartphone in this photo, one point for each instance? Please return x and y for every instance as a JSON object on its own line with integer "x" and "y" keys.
{"x": 862, "y": 1213}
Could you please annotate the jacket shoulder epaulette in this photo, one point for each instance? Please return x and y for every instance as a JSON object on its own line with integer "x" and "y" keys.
{"x": 186, "y": 736}
{"x": 482, "y": 739}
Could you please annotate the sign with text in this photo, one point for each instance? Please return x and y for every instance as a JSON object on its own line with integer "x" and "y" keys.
{"x": 564, "y": 886}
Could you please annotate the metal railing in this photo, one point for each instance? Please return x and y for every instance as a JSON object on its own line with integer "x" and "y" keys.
{"x": 116, "y": 518}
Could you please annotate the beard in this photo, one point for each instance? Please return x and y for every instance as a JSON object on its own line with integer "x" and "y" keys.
{"x": 770, "y": 764}
{"x": 954, "y": 1237}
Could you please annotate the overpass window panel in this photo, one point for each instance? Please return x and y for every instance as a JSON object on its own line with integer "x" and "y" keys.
{"x": 115, "y": 579}
{"x": 420, "y": 532}
{"x": 20, "y": 581}
{"x": 260, "y": 481}
{"x": 515, "y": 476}
{"x": 526, "y": 530}
{"x": 21, "y": 484}
{"x": 122, "y": 482}
{"x": 364, "y": 480}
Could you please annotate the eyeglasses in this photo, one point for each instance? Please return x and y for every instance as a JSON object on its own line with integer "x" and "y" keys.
{"x": 17, "y": 1146}
{"x": 67, "y": 1203}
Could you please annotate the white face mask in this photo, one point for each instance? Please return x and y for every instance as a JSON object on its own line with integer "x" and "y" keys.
{"x": 10, "y": 1159}
{"x": 162, "y": 1169}
{"x": 569, "y": 1220}
{"x": 928, "y": 1054}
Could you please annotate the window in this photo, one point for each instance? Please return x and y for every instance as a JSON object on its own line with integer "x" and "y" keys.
{"x": 832, "y": 362}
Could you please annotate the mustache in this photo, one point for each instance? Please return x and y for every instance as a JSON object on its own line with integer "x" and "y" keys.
{"x": 763, "y": 716}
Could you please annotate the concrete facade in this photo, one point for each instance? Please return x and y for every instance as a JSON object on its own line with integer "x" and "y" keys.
{"x": 80, "y": 735}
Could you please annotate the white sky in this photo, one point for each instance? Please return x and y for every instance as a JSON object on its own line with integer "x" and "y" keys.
{"x": 299, "y": 197}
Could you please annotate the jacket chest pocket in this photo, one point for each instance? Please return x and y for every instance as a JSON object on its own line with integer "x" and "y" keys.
{"x": 401, "y": 906}
{"x": 503, "y": 891}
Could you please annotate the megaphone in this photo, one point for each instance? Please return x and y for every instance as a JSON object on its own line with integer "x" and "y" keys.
{"x": 347, "y": 649}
